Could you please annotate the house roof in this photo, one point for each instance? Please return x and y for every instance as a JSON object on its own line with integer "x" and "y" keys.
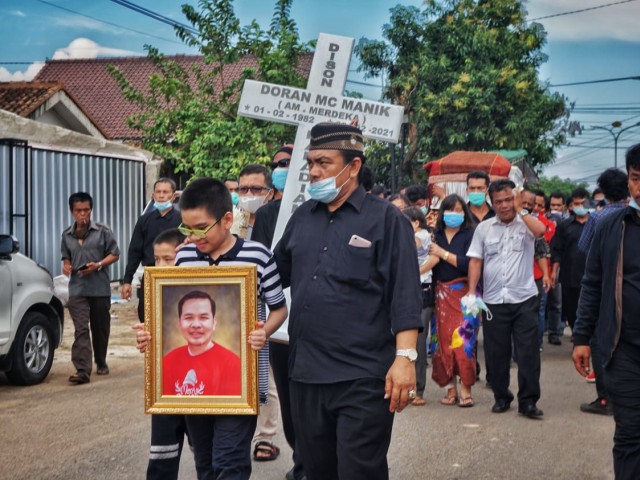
{"x": 93, "y": 87}
{"x": 23, "y": 98}
{"x": 37, "y": 99}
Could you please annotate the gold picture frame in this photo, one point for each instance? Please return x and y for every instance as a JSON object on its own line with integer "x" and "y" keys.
{"x": 205, "y": 383}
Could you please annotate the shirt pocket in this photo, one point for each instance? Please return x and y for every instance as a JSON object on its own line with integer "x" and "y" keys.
{"x": 517, "y": 243}
{"x": 354, "y": 263}
{"x": 492, "y": 248}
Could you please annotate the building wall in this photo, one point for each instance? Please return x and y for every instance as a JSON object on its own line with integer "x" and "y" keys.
{"x": 35, "y": 184}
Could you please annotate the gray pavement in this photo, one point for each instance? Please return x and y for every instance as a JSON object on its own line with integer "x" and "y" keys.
{"x": 100, "y": 431}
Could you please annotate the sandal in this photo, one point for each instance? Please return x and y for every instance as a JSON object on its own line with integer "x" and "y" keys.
{"x": 466, "y": 402}
{"x": 267, "y": 449}
{"x": 418, "y": 402}
{"x": 451, "y": 398}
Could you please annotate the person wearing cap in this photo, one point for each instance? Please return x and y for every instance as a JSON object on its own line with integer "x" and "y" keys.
{"x": 350, "y": 259}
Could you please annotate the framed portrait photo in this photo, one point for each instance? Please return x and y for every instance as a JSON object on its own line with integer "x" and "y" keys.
{"x": 198, "y": 360}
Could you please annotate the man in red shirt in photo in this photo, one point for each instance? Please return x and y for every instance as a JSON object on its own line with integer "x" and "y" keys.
{"x": 201, "y": 367}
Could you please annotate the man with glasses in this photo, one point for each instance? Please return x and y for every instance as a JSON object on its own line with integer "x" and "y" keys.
{"x": 255, "y": 190}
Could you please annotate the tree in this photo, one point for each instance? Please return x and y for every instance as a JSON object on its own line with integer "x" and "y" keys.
{"x": 189, "y": 117}
{"x": 466, "y": 72}
{"x": 557, "y": 184}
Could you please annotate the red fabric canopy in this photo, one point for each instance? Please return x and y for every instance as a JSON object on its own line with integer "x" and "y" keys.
{"x": 464, "y": 162}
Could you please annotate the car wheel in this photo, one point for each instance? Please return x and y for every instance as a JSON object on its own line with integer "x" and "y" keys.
{"x": 32, "y": 350}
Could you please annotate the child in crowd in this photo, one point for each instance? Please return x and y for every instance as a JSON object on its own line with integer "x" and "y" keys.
{"x": 222, "y": 443}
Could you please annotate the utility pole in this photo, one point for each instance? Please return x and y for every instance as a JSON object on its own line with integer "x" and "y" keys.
{"x": 616, "y": 135}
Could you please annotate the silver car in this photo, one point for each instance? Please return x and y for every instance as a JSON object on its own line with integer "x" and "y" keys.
{"x": 31, "y": 316}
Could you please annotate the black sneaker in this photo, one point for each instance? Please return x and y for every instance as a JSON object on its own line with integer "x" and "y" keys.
{"x": 555, "y": 341}
{"x": 599, "y": 406}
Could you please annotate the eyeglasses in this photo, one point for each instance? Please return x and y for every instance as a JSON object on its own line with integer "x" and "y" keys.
{"x": 254, "y": 189}
{"x": 283, "y": 163}
{"x": 196, "y": 233}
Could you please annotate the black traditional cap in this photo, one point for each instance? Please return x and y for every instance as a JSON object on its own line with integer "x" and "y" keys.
{"x": 336, "y": 136}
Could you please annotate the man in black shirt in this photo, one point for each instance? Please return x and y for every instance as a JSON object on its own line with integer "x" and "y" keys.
{"x": 163, "y": 217}
{"x": 350, "y": 259}
{"x": 608, "y": 305}
{"x": 477, "y": 188}
{"x": 567, "y": 258}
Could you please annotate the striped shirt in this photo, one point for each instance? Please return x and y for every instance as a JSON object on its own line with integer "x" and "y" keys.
{"x": 246, "y": 252}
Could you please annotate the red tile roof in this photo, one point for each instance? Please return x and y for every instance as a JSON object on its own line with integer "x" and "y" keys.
{"x": 23, "y": 98}
{"x": 98, "y": 94}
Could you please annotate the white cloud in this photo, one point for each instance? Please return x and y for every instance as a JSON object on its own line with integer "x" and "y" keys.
{"x": 78, "y": 48}
{"x": 31, "y": 71}
{"x": 18, "y": 13}
{"x": 85, "y": 48}
{"x": 614, "y": 22}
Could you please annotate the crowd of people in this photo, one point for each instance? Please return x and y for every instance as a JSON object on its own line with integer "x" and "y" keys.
{"x": 378, "y": 285}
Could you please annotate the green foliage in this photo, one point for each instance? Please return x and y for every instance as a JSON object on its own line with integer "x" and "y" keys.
{"x": 190, "y": 116}
{"x": 557, "y": 184}
{"x": 466, "y": 72}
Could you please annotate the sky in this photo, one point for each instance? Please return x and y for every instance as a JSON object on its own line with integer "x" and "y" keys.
{"x": 585, "y": 46}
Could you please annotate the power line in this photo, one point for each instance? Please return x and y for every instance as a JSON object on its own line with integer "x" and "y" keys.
{"x": 108, "y": 23}
{"x": 597, "y": 81}
{"x": 154, "y": 15}
{"x": 580, "y": 11}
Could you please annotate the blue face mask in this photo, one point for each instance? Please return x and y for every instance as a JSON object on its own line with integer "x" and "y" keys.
{"x": 632, "y": 203}
{"x": 279, "y": 178}
{"x": 424, "y": 210}
{"x": 453, "y": 219}
{"x": 325, "y": 191}
{"x": 235, "y": 198}
{"x": 477, "y": 199}
{"x": 580, "y": 211}
{"x": 162, "y": 205}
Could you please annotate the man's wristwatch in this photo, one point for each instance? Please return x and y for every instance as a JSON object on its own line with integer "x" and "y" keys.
{"x": 410, "y": 353}
{"x": 524, "y": 212}
{"x": 99, "y": 266}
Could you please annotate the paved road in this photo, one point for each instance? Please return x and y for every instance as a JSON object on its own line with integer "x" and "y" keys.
{"x": 100, "y": 431}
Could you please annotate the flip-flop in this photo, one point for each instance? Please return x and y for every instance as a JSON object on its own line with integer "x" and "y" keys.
{"x": 418, "y": 401}
{"x": 466, "y": 402}
{"x": 449, "y": 400}
{"x": 269, "y": 448}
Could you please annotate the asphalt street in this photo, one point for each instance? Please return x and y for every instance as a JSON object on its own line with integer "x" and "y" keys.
{"x": 100, "y": 431}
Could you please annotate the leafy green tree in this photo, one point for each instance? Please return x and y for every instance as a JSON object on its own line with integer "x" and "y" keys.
{"x": 557, "y": 184}
{"x": 189, "y": 116}
{"x": 466, "y": 72}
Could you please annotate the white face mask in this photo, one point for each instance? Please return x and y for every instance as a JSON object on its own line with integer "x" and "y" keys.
{"x": 251, "y": 204}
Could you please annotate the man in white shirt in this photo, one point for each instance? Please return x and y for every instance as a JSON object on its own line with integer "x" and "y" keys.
{"x": 504, "y": 247}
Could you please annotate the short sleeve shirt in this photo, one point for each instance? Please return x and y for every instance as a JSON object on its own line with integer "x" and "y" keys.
{"x": 98, "y": 243}
{"x": 506, "y": 250}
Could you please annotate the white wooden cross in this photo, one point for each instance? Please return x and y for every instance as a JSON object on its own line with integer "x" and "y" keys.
{"x": 321, "y": 101}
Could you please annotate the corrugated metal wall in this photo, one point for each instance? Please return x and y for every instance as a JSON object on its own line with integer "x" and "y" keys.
{"x": 35, "y": 187}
